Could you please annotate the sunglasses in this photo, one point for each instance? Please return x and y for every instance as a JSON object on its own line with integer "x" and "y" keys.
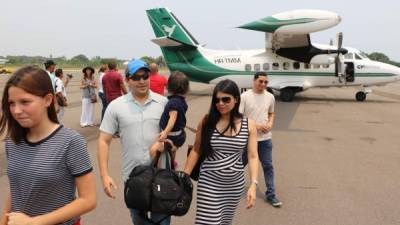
{"x": 225, "y": 100}
{"x": 263, "y": 81}
{"x": 143, "y": 76}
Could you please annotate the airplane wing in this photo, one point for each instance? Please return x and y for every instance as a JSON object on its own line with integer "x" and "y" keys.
{"x": 288, "y": 33}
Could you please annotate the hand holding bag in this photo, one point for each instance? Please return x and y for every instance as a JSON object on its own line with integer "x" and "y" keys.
{"x": 159, "y": 190}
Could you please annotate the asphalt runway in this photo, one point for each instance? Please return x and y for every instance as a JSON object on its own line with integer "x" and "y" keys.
{"x": 337, "y": 161}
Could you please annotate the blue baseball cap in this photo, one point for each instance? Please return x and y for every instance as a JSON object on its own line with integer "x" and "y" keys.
{"x": 134, "y": 66}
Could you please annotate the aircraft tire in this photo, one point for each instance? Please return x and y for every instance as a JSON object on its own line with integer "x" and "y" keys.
{"x": 287, "y": 94}
{"x": 361, "y": 96}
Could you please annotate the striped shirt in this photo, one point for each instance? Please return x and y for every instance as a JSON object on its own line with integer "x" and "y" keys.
{"x": 42, "y": 174}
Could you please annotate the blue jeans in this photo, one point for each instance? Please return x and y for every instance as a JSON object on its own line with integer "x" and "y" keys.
{"x": 265, "y": 156}
{"x": 102, "y": 96}
{"x": 137, "y": 220}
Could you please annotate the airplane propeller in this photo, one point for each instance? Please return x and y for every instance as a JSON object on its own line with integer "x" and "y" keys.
{"x": 339, "y": 58}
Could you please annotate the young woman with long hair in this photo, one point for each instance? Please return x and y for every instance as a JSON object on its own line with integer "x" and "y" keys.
{"x": 46, "y": 162}
{"x": 222, "y": 136}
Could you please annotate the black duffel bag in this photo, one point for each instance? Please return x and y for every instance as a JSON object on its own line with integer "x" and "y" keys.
{"x": 159, "y": 190}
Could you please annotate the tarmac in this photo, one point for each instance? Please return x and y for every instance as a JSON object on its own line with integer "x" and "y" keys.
{"x": 337, "y": 161}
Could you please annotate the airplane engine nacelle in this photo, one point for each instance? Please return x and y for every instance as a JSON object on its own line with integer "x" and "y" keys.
{"x": 295, "y": 22}
{"x": 322, "y": 59}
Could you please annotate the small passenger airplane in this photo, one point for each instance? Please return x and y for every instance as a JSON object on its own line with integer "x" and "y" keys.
{"x": 292, "y": 62}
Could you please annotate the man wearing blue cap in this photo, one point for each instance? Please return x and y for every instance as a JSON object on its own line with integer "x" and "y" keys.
{"x": 135, "y": 116}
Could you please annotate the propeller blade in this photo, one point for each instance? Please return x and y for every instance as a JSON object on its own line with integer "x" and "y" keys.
{"x": 340, "y": 40}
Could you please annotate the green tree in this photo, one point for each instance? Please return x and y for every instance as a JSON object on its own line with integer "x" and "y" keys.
{"x": 148, "y": 59}
{"x": 80, "y": 58}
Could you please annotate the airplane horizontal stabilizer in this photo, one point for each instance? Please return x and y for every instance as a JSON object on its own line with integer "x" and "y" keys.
{"x": 169, "y": 42}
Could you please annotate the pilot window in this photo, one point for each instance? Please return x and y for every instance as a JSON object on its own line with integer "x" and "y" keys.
{"x": 257, "y": 67}
{"x": 358, "y": 57}
{"x": 275, "y": 66}
{"x": 286, "y": 65}
{"x": 266, "y": 66}
{"x": 349, "y": 56}
{"x": 307, "y": 66}
{"x": 296, "y": 65}
{"x": 247, "y": 67}
{"x": 316, "y": 66}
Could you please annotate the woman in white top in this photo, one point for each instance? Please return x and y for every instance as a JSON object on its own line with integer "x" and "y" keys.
{"x": 88, "y": 86}
{"x": 103, "y": 69}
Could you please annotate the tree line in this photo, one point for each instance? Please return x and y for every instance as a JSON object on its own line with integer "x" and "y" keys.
{"x": 81, "y": 60}
{"x": 77, "y": 61}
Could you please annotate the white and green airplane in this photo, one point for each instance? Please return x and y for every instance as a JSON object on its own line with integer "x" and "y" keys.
{"x": 292, "y": 62}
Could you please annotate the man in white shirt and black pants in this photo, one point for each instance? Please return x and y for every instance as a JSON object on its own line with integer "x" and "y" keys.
{"x": 258, "y": 104}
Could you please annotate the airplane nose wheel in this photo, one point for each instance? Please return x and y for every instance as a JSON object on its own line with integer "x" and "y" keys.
{"x": 361, "y": 96}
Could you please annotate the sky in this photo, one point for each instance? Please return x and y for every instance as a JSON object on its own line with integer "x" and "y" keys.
{"x": 120, "y": 28}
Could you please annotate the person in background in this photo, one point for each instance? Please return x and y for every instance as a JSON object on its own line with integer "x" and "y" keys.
{"x": 102, "y": 96}
{"x": 135, "y": 116}
{"x": 258, "y": 104}
{"x": 88, "y": 86}
{"x": 61, "y": 92}
{"x": 157, "y": 82}
{"x": 50, "y": 67}
{"x": 113, "y": 83}
{"x": 46, "y": 162}
{"x": 222, "y": 137}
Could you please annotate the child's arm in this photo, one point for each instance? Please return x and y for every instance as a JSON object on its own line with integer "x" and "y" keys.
{"x": 171, "y": 123}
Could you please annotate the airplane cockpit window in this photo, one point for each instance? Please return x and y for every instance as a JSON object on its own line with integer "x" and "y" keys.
{"x": 316, "y": 66}
{"x": 358, "y": 57}
{"x": 286, "y": 65}
{"x": 349, "y": 55}
{"x": 247, "y": 67}
{"x": 257, "y": 67}
{"x": 363, "y": 55}
{"x": 266, "y": 66}
{"x": 307, "y": 66}
{"x": 296, "y": 65}
{"x": 275, "y": 66}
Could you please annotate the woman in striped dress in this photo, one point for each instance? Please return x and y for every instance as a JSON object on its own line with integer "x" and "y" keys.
{"x": 222, "y": 137}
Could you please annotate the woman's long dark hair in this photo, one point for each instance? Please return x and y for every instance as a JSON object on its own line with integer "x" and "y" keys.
{"x": 35, "y": 81}
{"x": 228, "y": 87}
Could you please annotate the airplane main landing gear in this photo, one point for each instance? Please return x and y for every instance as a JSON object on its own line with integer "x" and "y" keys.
{"x": 287, "y": 94}
{"x": 361, "y": 96}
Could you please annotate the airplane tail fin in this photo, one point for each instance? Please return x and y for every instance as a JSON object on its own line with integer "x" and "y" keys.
{"x": 169, "y": 30}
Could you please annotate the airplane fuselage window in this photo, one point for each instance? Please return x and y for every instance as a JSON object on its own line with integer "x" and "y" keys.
{"x": 316, "y": 66}
{"x": 266, "y": 66}
{"x": 307, "y": 66}
{"x": 275, "y": 66}
{"x": 358, "y": 57}
{"x": 247, "y": 67}
{"x": 296, "y": 65}
{"x": 326, "y": 66}
{"x": 286, "y": 65}
{"x": 257, "y": 67}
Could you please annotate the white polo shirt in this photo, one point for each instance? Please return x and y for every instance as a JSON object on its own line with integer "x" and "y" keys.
{"x": 137, "y": 125}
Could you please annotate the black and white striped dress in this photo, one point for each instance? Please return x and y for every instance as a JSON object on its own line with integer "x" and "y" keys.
{"x": 221, "y": 182}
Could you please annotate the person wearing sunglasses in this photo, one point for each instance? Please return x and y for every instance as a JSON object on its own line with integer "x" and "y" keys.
{"x": 258, "y": 104}
{"x": 135, "y": 116}
{"x": 222, "y": 137}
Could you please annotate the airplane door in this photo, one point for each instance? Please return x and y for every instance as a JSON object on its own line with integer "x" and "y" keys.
{"x": 349, "y": 71}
